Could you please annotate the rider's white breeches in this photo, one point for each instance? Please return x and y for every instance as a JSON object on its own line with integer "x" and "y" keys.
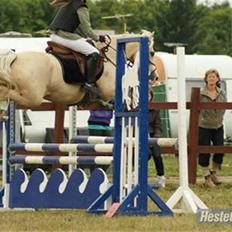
{"x": 79, "y": 45}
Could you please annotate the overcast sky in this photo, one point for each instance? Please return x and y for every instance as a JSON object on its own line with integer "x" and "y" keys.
{"x": 215, "y": 1}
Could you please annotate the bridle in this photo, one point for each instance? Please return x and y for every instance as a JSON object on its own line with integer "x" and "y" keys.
{"x": 129, "y": 62}
{"x": 105, "y": 49}
{"x": 153, "y": 72}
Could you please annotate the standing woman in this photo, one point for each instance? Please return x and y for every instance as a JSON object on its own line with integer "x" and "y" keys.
{"x": 154, "y": 126}
{"x": 211, "y": 127}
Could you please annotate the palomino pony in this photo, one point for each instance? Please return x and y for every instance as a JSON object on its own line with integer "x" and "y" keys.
{"x": 28, "y": 78}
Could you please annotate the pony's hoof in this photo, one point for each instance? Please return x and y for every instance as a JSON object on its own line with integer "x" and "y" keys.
{"x": 3, "y": 116}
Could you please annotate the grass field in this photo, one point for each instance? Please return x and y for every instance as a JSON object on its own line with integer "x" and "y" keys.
{"x": 78, "y": 220}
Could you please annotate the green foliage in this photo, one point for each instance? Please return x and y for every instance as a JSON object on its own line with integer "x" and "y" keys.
{"x": 180, "y": 21}
{"x": 24, "y": 15}
{"x": 104, "y": 8}
{"x": 205, "y": 29}
{"x": 214, "y": 32}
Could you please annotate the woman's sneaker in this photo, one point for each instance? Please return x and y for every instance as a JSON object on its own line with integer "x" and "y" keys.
{"x": 161, "y": 181}
{"x": 214, "y": 178}
{"x": 208, "y": 182}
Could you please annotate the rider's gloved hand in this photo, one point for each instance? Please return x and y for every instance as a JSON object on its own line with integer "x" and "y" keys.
{"x": 102, "y": 38}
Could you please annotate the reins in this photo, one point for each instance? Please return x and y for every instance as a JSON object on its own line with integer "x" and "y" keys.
{"x": 129, "y": 62}
{"x": 153, "y": 71}
{"x": 105, "y": 49}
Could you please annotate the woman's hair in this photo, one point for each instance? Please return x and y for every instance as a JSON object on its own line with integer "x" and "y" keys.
{"x": 215, "y": 72}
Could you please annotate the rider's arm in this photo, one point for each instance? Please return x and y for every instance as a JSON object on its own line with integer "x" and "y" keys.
{"x": 85, "y": 26}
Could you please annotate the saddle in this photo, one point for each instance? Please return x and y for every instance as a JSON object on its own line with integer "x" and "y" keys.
{"x": 81, "y": 60}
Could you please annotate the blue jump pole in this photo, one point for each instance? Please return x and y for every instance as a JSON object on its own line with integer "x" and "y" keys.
{"x": 63, "y": 160}
{"x": 79, "y": 139}
{"x": 65, "y": 147}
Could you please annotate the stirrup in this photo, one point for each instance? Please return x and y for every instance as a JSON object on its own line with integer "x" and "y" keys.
{"x": 92, "y": 89}
{"x": 107, "y": 104}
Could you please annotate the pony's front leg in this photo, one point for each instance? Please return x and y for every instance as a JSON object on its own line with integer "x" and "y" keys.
{"x": 3, "y": 110}
{"x": 24, "y": 99}
{"x": 135, "y": 97}
{"x": 4, "y": 102}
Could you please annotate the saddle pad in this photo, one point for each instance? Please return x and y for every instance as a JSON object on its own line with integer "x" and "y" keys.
{"x": 71, "y": 70}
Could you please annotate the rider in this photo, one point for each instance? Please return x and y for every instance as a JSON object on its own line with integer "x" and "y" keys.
{"x": 71, "y": 27}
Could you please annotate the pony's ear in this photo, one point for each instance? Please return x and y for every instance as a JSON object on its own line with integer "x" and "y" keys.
{"x": 144, "y": 32}
{"x": 147, "y": 33}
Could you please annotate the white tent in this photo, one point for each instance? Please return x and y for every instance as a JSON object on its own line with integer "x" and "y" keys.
{"x": 24, "y": 44}
{"x": 196, "y": 65}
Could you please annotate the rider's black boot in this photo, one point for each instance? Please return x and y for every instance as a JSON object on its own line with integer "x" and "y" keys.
{"x": 92, "y": 63}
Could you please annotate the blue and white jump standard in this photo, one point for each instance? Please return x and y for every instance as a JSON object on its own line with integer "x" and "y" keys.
{"x": 8, "y": 132}
{"x": 130, "y": 190}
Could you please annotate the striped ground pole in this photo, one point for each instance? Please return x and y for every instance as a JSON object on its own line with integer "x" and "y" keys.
{"x": 81, "y": 147}
{"x": 63, "y": 160}
{"x": 92, "y": 139}
{"x": 65, "y": 147}
{"x": 168, "y": 142}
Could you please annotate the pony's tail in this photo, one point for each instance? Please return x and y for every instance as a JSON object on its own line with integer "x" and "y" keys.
{"x": 6, "y": 59}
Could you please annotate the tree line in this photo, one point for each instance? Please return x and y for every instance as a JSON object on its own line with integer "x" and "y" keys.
{"x": 205, "y": 29}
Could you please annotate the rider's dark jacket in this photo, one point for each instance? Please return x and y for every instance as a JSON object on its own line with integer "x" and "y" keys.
{"x": 66, "y": 18}
{"x": 72, "y": 21}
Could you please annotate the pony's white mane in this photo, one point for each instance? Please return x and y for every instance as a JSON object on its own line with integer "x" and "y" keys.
{"x": 7, "y": 56}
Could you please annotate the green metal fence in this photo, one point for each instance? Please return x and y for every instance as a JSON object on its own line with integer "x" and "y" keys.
{"x": 159, "y": 95}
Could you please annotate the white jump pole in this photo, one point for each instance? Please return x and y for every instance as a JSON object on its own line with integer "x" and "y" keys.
{"x": 72, "y": 132}
{"x": 189, "y": 200}
{"x": 4, "y": 167}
